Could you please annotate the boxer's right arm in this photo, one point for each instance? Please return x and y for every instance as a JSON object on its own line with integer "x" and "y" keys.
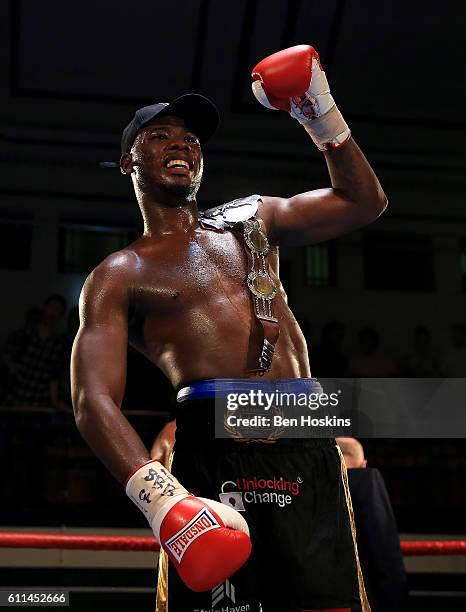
{"x": 206, "y": 540}
{"x": 98, "y": 367}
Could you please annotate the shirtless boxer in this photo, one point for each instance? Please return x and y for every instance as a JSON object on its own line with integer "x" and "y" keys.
{"x": 199, "y": 295}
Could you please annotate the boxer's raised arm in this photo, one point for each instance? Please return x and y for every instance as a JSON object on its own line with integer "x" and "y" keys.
{"x": 98, "y": 368}
{"x": 293, "y": 80}
{"x": 355, "y": 199}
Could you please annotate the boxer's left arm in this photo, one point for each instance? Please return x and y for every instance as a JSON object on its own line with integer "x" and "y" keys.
{"x": 354, "y": 200}
{"x": 293, "y": 80}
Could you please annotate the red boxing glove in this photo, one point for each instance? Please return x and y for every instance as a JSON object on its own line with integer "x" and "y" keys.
{"x": 283, "y": 75}
{"x": 207, "y": 541}
{"x": 293, "y": 80}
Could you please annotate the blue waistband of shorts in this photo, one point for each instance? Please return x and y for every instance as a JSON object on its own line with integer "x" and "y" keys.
{"x": 219, "y": 387}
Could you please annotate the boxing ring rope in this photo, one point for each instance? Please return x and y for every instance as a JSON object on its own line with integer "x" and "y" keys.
{"x": 421, "y": 548}
{"x": 125, "y": 543}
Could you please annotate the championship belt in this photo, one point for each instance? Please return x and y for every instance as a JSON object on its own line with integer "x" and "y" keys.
{"x": 237, "y": 214}
{"x": 263, "y": 290}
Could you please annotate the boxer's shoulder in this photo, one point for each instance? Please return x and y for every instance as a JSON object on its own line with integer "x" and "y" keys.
{"x": 126, "y": 260}
{"x": 227, "y": 215}
{"x": 115, "y": 273}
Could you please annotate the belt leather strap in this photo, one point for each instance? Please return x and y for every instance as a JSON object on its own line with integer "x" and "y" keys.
{"x": 263, "y": 291}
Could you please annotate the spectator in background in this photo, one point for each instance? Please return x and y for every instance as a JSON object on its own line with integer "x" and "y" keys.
{"x": 455, "y": 355}
{"x": 15, "y": 345}
{"x": 39, "y": 360}
{"x": 423, "y": 361}
{"x": 353, "y": 452}
{"x": 17, "y": 340}
{"x": 377, "y": 532}
{"x": 328, "y": 360}
{"x": 369, "y": 362}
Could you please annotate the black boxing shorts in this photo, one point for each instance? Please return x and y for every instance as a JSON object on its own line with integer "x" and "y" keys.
{"x": 294, "y": 496}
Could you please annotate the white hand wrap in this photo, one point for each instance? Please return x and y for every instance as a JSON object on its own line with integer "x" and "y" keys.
{"x": 152, "y": 487}
{"x": 317, "y": 112}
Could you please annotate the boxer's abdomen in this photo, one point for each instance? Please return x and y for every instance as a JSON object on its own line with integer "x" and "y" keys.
{"x": 196, "y": 318}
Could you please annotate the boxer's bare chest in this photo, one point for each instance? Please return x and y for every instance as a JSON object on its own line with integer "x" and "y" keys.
{"x": 192, "y": 311}
{"x": 181, "y": 271}
{"x": 192, "y": 273}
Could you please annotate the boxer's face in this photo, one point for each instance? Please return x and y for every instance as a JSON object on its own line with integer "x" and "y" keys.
{"x": 167, "y": 154}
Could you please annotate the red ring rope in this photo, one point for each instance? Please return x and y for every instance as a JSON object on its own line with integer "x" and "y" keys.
{"x": 78, "y": 542}
{"x": 433, "y": 547}
{"x": 94, "y": 542}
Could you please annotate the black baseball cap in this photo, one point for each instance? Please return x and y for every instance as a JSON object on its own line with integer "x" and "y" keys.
{"x": 199, "y": 113}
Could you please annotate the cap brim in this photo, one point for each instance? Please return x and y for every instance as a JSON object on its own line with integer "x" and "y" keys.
{"x": 199, "y": 113}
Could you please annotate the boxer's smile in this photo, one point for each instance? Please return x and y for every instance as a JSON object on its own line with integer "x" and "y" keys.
{"x": 178, "y": 165}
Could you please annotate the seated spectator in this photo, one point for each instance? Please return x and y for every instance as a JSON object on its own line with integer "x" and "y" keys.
{"x": 423, "y": 361}
{"x": 14, "y": 347}
{"x": 39, "y": 359}
{"x": 328, "y": 359}
{"x": 369, "y": 362}
{"x": 17, "y": 340}
{"x": 377, "y": 534}
{"x": 455, "y": 355}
